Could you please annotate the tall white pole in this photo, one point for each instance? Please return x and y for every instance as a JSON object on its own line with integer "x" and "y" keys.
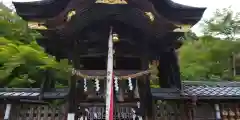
{"x": 109, "y": 91}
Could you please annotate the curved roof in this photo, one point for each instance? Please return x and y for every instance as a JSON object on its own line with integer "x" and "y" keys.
{"x": 40, "y": 9}
{"x": 178, "y": 5}
{"x": 51, "y": 8}
{"x": 178, "y": 12}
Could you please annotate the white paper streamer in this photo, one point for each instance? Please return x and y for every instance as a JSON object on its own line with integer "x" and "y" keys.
{"x": 85, "y": 85}
{"x": 97, "y": 84}
{"x": 116, "y": 84}
{"x": 130, "y": 83}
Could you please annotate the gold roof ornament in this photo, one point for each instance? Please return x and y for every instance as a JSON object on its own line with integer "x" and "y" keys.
{"x": 37, "y": 26}
{"x": 70, "y": 14}
{"x": 150, "y": 16}
{"x": 115, "y": 38}
{"x": 182, "y": 28}
{"x": 111, "y": 1}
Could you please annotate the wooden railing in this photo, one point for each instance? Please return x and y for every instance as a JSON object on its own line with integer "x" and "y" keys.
{"x": 163, "y": 110}
{"x": 38, "y": 112}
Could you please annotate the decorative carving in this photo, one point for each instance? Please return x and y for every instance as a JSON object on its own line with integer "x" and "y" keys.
{"x": 37, "y": 26}
{"x": 150, "y": 16}
{"x": 182, "y": 28}
{"x": 225, "y": 114}
{"x": 115, "y": 38}
{"x": 70, "y": 14}
{"x": 111, "y": 1}
{"x": 231, "y": 114}
{"x": 237, "y": 113}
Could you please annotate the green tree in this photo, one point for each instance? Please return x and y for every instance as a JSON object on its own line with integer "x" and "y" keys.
{"x": 209, "y": 56}
{"x": 225, "y": 24}
{"x": 23, "y": 63}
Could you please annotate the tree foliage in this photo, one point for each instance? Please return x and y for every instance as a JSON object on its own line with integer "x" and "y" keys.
{"x": 23, "y": 63}
{"x": 209, "y": 57}
{"x": 225, "y": 23}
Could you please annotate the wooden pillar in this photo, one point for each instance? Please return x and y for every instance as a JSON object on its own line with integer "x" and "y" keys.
{"x": 194, "y": 107}
{"x": 1, "y": 110}
{"x": 191, "y": 108}
{"x": 72, "y": 107}
{"x": 169, "y": 71}
{"x": 144, "y": 83}
{"x": 46, "y": 84}
{"x": 71, "y": 99}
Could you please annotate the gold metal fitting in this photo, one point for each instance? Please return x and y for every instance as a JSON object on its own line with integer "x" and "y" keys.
{"x": 37, "y": 26}
{"x": 182, "y": 28}
{"x": 70, "y": 14}
{"x": 150, "y": 16}
{"x": 112, "y": 1}
{"x": 115, "y": 38}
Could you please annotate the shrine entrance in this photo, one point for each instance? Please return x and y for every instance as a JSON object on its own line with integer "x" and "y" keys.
{"x": 129, "y": 89}
{"x": 110, "y": 76}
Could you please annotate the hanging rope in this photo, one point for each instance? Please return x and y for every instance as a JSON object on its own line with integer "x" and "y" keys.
{"x": 135, "y": 75}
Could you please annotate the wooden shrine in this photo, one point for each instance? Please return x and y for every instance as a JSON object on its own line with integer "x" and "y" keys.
{"x": 142, "y": 31}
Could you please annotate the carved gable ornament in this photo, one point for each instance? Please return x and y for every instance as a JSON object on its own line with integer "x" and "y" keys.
{"x": 37, "y": 26}
{"x": 112, "y": 1}
{"x": 182, "y": 28}
{"x": 150, "y": 16}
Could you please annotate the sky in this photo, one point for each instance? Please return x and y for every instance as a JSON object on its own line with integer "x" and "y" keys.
{"x": 211, "y": 5}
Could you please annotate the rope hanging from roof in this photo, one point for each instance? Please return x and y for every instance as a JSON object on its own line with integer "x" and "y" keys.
{"x": 135, "y": 75}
